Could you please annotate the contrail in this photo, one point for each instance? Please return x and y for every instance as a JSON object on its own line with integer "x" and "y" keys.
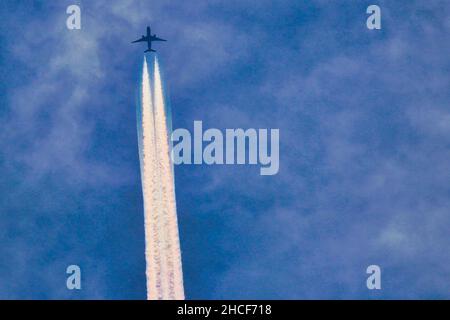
{"x": 162, "y": 245}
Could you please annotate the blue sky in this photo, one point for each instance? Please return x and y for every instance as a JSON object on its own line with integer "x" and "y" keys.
{"x": 364, "y": 146}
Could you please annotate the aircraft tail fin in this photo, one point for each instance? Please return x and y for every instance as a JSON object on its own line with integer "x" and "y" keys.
{"x": 150, "y": 50}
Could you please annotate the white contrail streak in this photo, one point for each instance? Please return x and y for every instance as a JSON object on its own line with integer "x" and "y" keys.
{"x": 162, "y": 246}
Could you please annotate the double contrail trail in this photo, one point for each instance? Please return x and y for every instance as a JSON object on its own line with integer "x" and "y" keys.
{"x": 162, "y": 245}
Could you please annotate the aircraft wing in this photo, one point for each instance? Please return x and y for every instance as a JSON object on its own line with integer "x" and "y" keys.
{"x": 158, "y": 39}
{"x": 139, "y": 40}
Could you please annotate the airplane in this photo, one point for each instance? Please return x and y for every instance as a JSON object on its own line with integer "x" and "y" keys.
{"x": 149, "y": 38}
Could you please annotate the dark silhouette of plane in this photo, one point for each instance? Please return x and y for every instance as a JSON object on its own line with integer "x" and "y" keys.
{"x": 149, "y": 38}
